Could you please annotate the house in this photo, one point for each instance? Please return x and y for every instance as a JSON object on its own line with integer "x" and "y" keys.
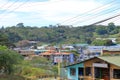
{"x": 74, "y": 71}
{"x": 52, "y": 55}
{"x": 111, "y": 50}
{"x": 68, "y": 47}
{"x": 94, "y": 51}
{"x": 104, "y": 67}
{"x": 90, "y": 52}
{"x": 97, "y": 68}
{"x": 26, "y": 53}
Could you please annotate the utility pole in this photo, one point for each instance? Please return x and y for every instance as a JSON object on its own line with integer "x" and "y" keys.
{"x": 59, "y": 63}
{"x": 59, "y": 70}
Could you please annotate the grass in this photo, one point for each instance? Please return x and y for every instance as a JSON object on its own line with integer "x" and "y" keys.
{"x": 11, "y": 77}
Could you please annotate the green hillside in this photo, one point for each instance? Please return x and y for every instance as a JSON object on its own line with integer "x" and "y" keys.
{"x": 61, "y": 34}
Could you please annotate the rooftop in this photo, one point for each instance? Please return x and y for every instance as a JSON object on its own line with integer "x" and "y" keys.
{"x": 115, "y": 60}
{"x": 55, "y": 53}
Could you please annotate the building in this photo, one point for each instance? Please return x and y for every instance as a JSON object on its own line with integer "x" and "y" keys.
{"x": 26, "y": 53}
{"x": 114, "y": 51}
{"x": 105, "y": 67}
{"x": 94, "y": 51}
{"x": 97, "y": 68}
{"x": 52, "y": 55}
{"x": 90, "y": 52}
{"x": 74, "y": 71}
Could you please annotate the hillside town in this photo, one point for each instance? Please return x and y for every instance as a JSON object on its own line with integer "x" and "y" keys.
{"x": 59, "y": 39}
{"x": 88, "y": 63}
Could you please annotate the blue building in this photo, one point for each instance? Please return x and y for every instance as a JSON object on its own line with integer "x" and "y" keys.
{"x": 74, "y": 71}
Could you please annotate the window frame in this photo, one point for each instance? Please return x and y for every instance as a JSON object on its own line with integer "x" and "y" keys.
{"x": 115, "y": 75}
{"x": 72, "y": 71}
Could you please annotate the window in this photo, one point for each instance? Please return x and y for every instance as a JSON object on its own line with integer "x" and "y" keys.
{"x": 88, "y": 71}
{"x": 101, "y": 72}
{"x": 72, "y": 71}
{"x": 80, "y": 71}
{"x": 116, "y": 73}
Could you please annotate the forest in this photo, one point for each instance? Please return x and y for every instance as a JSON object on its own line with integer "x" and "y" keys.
{"x": 60, "y": 33}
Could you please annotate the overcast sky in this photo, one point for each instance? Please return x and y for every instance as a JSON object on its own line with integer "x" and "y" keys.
{"x": 51, "y": 12}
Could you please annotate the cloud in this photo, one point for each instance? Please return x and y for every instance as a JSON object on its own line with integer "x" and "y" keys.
{"x": 60, "y": 10}
{"x": 47, "y": 12}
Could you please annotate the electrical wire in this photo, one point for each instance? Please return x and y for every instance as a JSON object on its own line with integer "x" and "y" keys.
{"x": 19, "y": 6}
{"x": 5, "y": 4}
{"x": 86, "y": 12}
{"x": 116, "y": 19}
{"x": 9, "y": 7}
{"x": 99, "y": 7}
{"x": 43, "y": 3}
{"x": 95, "y": 16}
{"x": 105, "y": 20}
{"x": 16, "y": 8}
{"x": 75, "y": 16}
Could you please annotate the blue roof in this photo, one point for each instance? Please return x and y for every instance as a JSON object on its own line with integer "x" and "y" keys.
{"x": 103, "y": 47}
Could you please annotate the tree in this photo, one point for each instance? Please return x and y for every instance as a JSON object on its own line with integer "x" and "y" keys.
{"x": 101, "y": 30}
{"x": 5, "y": 41}
{"x": 60, "y": 33}
{"x": 14, "y": 37}
{"x": 110, "y": 27}
{"x": 8, "y": 60}
{"x": 20, "y": 25}
{"x": 102, "y": 43}
{"x": 118, "y": 40}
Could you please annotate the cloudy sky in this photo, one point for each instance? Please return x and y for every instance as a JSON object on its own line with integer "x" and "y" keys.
{"x": 51, "y": 12}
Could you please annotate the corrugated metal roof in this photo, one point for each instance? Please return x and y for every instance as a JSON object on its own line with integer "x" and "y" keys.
{"x": 111, "y": 59}
{"x": 115, "y": 60}
{"x": 80, "y": 64}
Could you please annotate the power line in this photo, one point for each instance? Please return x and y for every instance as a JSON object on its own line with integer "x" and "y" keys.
{"x": 19, "y": 6}
{"x": 95, "y": 16}
{"x": 30, "y": 6}
{"x": 116, "y": 20}
{"x": 106, "y": 12}
{"x": 28, "y": 0}
{"x": 9, "y": 6}
{"x": 104, "y": 20}
{"x": 44, "y": 3}
{"x": 86, "y": 12}
{"x": 4, "y": 4}
{"x": 16, "y": 7}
